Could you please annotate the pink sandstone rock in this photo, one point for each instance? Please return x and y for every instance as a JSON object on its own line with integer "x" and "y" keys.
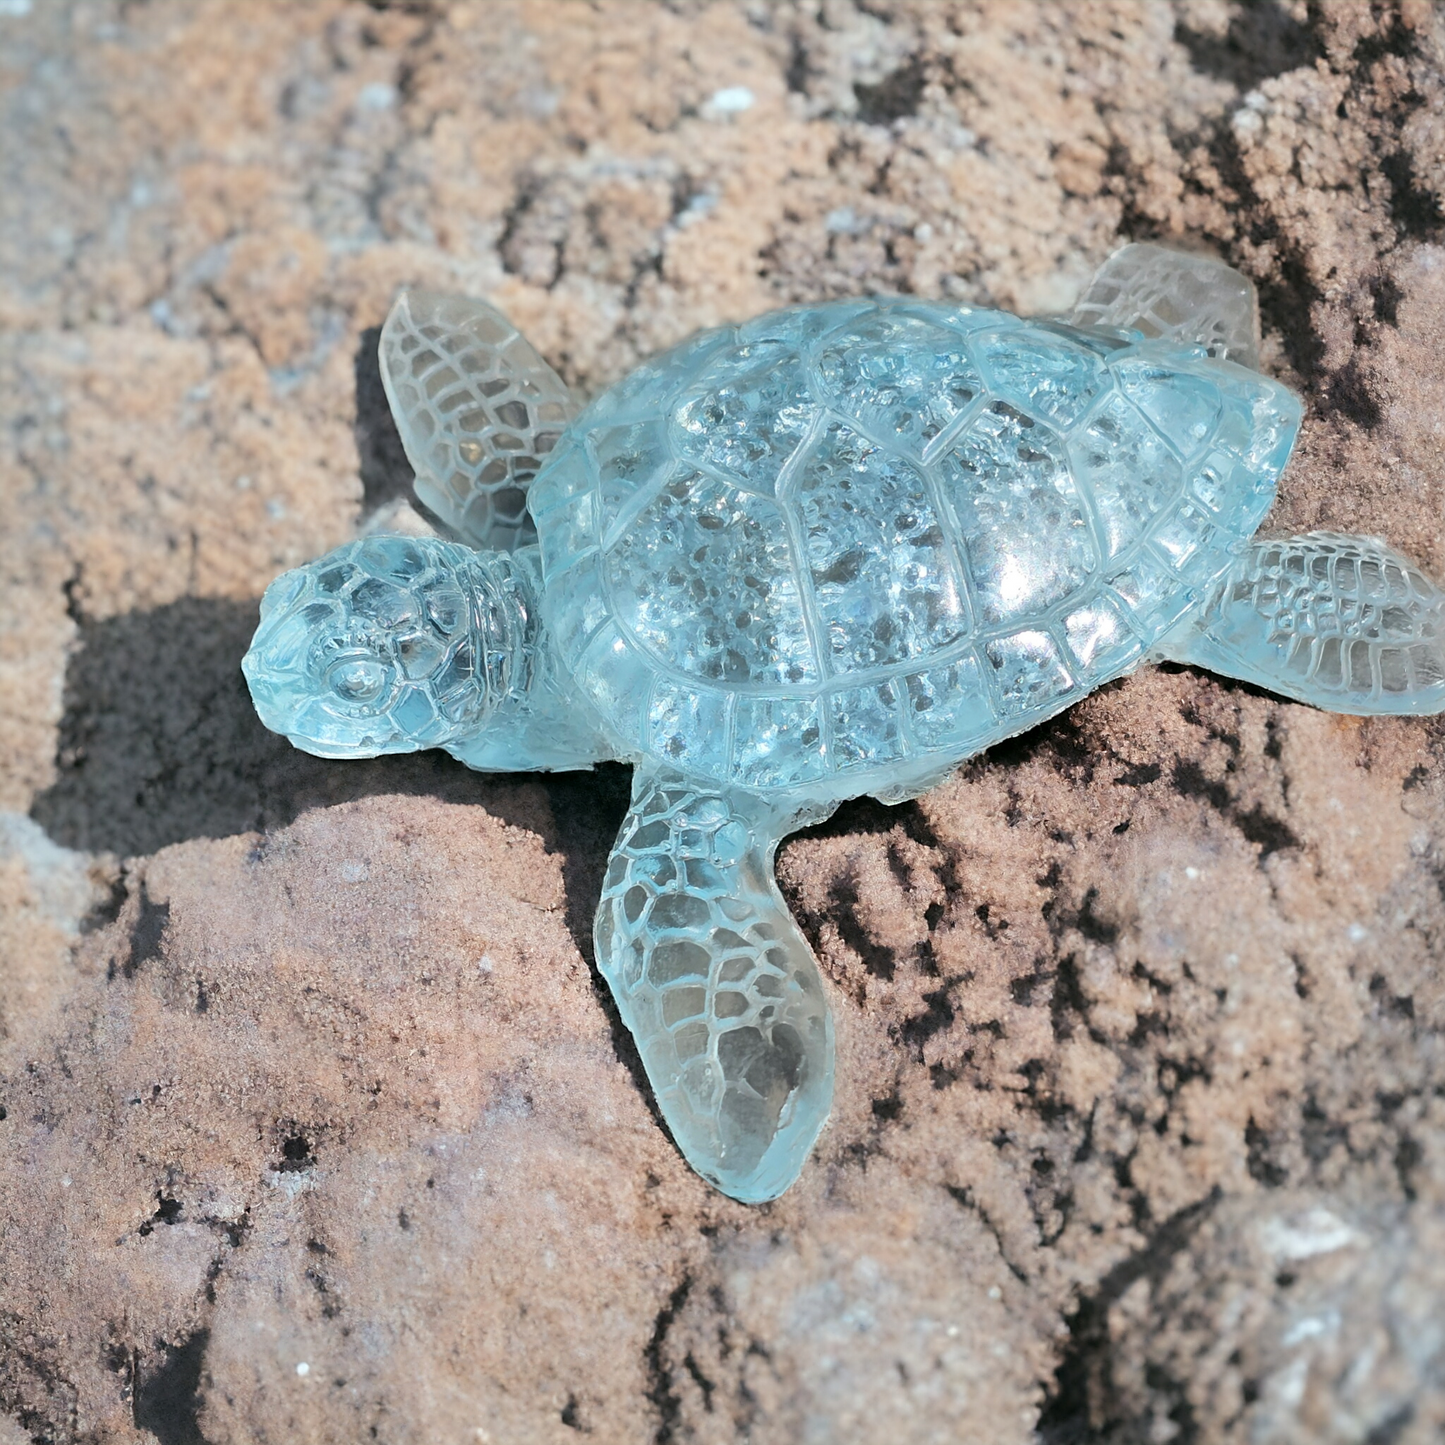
{"x": 1139, "y": 1129}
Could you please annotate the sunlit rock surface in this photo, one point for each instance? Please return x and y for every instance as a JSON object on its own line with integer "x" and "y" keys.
{"x": 1138, "y": 1020}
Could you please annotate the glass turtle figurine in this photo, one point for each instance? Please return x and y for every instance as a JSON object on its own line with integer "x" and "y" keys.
{"x": 833, "y": 551}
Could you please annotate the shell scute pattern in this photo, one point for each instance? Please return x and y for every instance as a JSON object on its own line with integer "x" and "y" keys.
{"x": 1030, "y": 672}
{"x": 865, "y": 726}
{"x": 1099, "y": 635}
{"x": 728, "y": 569}
{"x": 870, "y": 534}
{"x": 883, "y": 578}
{"x": 1043, "y": 373}
{"x": 948, "y": 709}
{"x": 746, "y": 413}
{"x": 1150, "y": 592}
{"x": 803, "y": 326}
{"x": 1130, "y": 470}
{"x": 903, "y": 379}
{"x": 1184, "y": 407}
{"x": 633, "y": 462}
{"x": 1011, "y": 490}
{"x": 779, "y": 742}
{"x": 685, "y": 723}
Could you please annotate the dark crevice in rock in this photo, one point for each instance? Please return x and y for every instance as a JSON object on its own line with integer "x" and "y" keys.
{"x": 1122, "y": 178}
{"x": 386, "y": 474}
{"x": 1138, "y": 775}
{"x": 1175, "y": 1392}
{"x": 108, "y": 908}
{"x": 1392, "y": 1428}
{"x": 1409, "y": 1153}
{"x": 660, "y": 1391}
{"x": 148, "y": 935}
{"x": 1391, "y": 1005}
{"x": 1190, "y": 781}
{"x": 894, "y": 97}
{"x": 168, "y": 1397}
{"x": 1082, "y": 1406}
{"x": 296, "y": 1153}
{"x": 1262, "y": 1168}
{"x": 1414, "y": 210}
{"x": 937, "y": 1016}
{"x": 1021, "y": 988}
{"x": 1319, "y": 1134}
{"x": 963, "y": 1197}
{"x": 1085, "y": 919}
{"x": 330, "y": 1308}
{"x": 700, "y": 1379}
{"x": 1396, "y": 39}
{"x": 1268, "y": 833}
{"x": 168, "y": 1210}
{"x": 1067, "y": 1002}
{"x": 879, "y": 960}
{"x": 1385, "y": 297}
{"x": 1271, "y": 834}
{"x": 799, "y": 68}
{"x": 534, "y": 234}
{"x": 1262, "y": 40}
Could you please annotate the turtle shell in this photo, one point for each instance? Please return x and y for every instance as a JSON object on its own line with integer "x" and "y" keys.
{"x": 843, "y": 546}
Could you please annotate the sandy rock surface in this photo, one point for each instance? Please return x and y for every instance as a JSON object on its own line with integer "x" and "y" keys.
{"x": 316, "y": 1123}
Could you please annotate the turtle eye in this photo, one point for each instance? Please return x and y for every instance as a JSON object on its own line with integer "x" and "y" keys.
{"x": 357, "y": 679}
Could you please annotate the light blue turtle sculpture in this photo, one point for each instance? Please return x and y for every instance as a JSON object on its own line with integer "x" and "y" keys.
{"x": 834, "y": 551}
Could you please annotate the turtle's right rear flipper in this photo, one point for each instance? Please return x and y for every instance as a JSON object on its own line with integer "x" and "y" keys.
{"x": 478, "y": 410}
{"x": 1344, "y": 623}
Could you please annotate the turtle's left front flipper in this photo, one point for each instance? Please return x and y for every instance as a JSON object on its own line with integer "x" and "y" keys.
{"x": 718, "y": 986}
{"x": 478, "y": 410}
{"x": 1344, "y": 623}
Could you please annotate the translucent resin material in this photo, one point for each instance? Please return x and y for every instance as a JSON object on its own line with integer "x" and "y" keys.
{"x": 392, "y": 644}
{"x": 478, "y": 410}
{"x": 381, "y": 646}
{"x": 843, "y": 546}
{"x": 1177, "y": 296}
{"x": 833, "y": 551}
{"x": 712, "y": 976}
{"x": 1345, "y": 623}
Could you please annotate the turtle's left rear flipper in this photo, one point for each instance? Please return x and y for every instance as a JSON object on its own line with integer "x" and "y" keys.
{"x": 1344, "y": 623}
{"x": 478, "y": 410}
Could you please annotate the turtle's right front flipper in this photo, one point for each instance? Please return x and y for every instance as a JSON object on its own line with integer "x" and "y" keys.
{"x": 478, "y": 411}
{"x": 718, "y": 986}
{"x": 1344, "y": 623}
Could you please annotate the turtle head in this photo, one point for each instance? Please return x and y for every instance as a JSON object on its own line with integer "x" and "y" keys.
{"x": 385, "y": 645}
